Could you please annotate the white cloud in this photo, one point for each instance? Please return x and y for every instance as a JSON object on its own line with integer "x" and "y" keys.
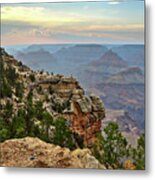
{"x": 114, "y": 2}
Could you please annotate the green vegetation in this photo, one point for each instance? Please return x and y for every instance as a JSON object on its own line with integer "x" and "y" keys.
{"x": 32, "y": 77}
{"x": 138, "y": 154}
{"x": 39, "y": 89}
{"x": 50, "y": 90}
{"x": 8, "y": 81}
{"x": 23, "y": 123}
{"x": 63, "y": 135}
{"x": 47, "y": 122}
{"x": 112, "y": 149}
{"x": 19, "y": 90}
{"x": 60, "y": 107}
{"x": 18, "y": 125}
{"x": 20, "y": 63}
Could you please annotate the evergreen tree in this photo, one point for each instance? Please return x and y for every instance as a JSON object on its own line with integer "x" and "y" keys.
{"x": 19, "y": 90}
{"x": 8, "y": 111}
{"x": 63, "y": 135}
{"x": 32, "y": 77}
{"x": 47, "y": 121}
{"x": 18, "y": 125}
{"x": 4, "y": 130}
{"x": 138, "y": 154}
{"x": 111, "y": 148}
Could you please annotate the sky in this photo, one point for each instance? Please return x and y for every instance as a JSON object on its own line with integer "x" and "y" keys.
{"x": 110, "y": 22}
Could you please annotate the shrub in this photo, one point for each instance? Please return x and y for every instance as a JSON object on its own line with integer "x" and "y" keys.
{"x": 32, "y": 77}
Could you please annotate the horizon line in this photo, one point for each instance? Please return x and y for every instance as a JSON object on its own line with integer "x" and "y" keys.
{"x": 140, "y": 43}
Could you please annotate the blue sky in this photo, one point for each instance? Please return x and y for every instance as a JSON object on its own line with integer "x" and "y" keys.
{"x": 78, "y": 22}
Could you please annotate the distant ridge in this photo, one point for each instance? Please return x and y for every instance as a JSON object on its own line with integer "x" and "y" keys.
{"x": 110, "y": 58}
{"x": 109, "y": 63}
{"x": 81, "y": 53}
{"x": 127, "y": 76}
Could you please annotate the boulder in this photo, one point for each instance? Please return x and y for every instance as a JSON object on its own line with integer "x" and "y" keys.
{"x": 32, "y": 152}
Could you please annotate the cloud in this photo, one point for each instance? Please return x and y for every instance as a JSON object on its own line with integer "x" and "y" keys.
{"x": 53, "y": 24}
{"x": 21, "y": 13}
{"x": 39, "y": 15}
{"x": 113, "y": 2}
{"x": 86, "y": 31}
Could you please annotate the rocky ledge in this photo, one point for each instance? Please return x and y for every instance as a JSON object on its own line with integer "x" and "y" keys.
{"x": 32, "y": 152}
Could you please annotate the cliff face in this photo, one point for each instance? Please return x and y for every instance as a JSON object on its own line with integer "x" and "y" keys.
{"x": 61, "y": 96}
{"x": 32, "y": 152}
{"x": 84, "y": 113}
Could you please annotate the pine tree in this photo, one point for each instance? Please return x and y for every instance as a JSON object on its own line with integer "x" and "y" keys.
{"x": 63, "y": 135}
{"x": 110, "y": 148}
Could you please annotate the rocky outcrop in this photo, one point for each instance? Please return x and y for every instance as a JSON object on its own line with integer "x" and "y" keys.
{"x": 61, "y": 96}
{"x": 63, "y": 86}
{"x": 84, "y": 113}
{"x": 87, "y": 117}
{"x": 32, "y": 152}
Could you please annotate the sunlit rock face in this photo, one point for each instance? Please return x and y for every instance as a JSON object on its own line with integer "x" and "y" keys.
{"x": 32, "y": 152}
{"x": 84, "y": 113}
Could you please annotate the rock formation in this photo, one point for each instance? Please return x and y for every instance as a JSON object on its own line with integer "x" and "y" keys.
{"x": 84, "y": 113}
{"x": 61, "y": 96}
{"x": 32, "y": 152}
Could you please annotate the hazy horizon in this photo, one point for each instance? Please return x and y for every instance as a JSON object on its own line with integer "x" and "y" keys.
{"x": 106, "y": 44}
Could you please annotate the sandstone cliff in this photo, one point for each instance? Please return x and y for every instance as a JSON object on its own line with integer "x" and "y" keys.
{"x": 32, "y": 152}
{"x": 84, "y": 113}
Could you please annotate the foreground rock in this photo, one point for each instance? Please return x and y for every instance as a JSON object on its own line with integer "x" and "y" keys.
{"x": 32, "y": 152}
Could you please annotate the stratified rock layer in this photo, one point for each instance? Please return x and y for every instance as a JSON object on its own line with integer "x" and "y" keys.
{"x": 84, "y": 113}
{"x": 32, "y": 152}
